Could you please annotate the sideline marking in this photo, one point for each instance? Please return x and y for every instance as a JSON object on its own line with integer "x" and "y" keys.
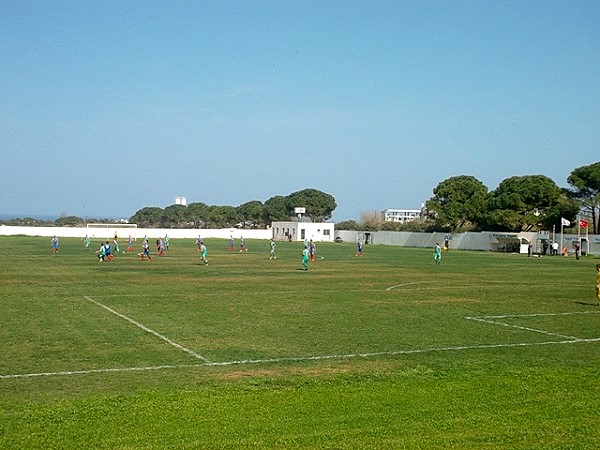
{"x": 149, "y": 330}
{"x": 399, "y": 352}
{"x": 298, "y": 359}
{"x": 91, "y": 371}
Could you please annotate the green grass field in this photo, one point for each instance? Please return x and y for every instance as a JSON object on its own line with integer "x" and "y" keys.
{"x": 384, "y": 351}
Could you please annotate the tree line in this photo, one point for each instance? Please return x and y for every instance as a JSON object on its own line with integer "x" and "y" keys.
{"x": 253, "y": 214}
{"x": 519, "y": 203}
{"x": 460, "y": 203}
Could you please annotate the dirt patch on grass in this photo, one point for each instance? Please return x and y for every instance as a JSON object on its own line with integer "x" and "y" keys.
{"x": 284, "y": 372}
{"x": 340, "y": 368}
{"x": 436, "y": 301}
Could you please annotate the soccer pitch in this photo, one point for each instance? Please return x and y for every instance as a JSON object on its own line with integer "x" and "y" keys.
{"x": 386, "y": 350}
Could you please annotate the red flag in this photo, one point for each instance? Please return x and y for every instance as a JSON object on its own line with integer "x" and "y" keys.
{"x": 583, "y": 223}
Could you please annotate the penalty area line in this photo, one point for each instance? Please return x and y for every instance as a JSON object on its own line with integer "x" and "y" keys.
{"x": 571, "y": 313}
{"x": 148, "y": 330}
{"x": 494, "y": 320}
{"x": 535, "y": 330}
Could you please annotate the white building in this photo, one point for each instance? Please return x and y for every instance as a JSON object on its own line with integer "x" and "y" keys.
{"x": 401, "y": 215}
{"x": 300, "y": 230}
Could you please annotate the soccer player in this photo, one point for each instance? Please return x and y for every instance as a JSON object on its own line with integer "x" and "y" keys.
{"x": 203, "y": 254}
{"x": 54, "y": 244}
{"x": 243, "y": 245}
{"x": 312, "y": 250}
{"x": 272, "y": 251}
{"x": 87, "y": 242}
{"x": 160, "y": 247}
{"x": 305, "y": 258}
{"x": 101, "y": 253}
{"x": 198, "y": 242}
{"x": 108, "y": 252}
{"x": 598, "y": 283}
{"x": 166, "y": 242}
{"x": 145, "y": 250}
{"x": 437, "y": 254}
{"x": 231, "y": 243}
{"x": 130, "y": 241}
{"x": 358, "y": 248}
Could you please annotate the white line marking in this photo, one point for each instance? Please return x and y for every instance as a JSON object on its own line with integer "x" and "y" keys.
{"x": 493, "y": 322}
{"x": 405, "y": 284}
{"x": 572, "y": 313}
{"x": 299, "y": 358}
{"x": 149, "y": 330}
{"x": 91, "y": 371}
{"x": 487, "y": 319}
{"x": 490, "y": 284}
{"x": 570, "y": 340}
{"x": 398, "y": 352}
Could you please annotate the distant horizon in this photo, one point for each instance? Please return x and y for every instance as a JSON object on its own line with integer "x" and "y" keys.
{"x": 11, "y": 216}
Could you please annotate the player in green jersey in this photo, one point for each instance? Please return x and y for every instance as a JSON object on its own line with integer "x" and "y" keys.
{"x": 305, "y": 258}
{"x": 204, "y": 253}
{"x": 437, "y": 253}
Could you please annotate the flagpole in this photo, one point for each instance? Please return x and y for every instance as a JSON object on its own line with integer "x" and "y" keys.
{"x": 587, "y": 239}
{"x": 562, "y": 224}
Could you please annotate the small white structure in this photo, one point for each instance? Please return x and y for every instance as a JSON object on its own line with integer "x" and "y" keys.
{"x": 180, "y": 200}
{"x": 302, "y": 230}
{"x": 401, "y": 215}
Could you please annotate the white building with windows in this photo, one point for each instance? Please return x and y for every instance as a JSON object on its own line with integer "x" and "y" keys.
{"x": 401, "y": 215}
{"x": 299, "y": 230}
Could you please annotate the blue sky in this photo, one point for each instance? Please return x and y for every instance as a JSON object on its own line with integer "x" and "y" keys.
{"x": 110, "y": 106}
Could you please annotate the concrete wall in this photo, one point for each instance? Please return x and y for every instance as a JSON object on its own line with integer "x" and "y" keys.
{"x": 137, "y": 233}
{"x": 485, "y": 240}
